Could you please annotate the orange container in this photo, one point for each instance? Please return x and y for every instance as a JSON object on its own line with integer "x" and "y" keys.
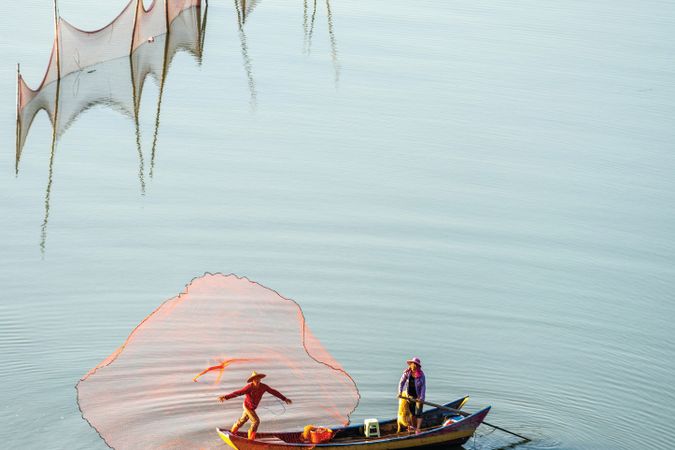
{"x": 320, "y": 435}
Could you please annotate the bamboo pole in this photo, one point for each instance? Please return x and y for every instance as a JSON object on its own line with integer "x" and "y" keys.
{"x": 166, "y": 15}
{"x": 18, "y": 118}
{"x": 133, "y": 29}
{"x": 58, "y": 41}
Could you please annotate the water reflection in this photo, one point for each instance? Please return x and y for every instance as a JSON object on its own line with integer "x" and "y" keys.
{"x": 65, "y": 94}
{"x": 309, "y": 29}
{"x": 109, "y": 67}
{"x": 244, "y": 9}
{"x": 116, "y": 83}
{"x": 43, "y": 227}
{"x": 333, "y": 43}
{"x": 308, "y": 26}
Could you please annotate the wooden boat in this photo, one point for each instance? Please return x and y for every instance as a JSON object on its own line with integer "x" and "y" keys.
{"x": 433, "y": 435}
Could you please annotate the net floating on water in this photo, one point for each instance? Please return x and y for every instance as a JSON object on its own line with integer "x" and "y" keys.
{"x": 216, "y": 332}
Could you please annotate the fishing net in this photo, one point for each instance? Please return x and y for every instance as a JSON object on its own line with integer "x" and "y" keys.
{"x": 108, "y": 66}
{"x": 160, "y": 388}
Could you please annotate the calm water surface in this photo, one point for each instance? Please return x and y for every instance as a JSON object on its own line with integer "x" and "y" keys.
{"x": 488, "y": 185}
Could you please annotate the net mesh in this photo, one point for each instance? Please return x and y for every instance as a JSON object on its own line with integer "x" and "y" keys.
{"x": 160, "y": 388}
{"x": 88, "y": 68}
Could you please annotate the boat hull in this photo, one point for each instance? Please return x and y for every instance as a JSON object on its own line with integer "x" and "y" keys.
{"x": 351, "y": 438}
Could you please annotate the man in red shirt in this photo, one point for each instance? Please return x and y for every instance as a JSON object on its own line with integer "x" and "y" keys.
{"x": 254, "y": 391}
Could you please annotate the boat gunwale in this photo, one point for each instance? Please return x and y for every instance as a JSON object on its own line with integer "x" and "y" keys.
{"x": 431, "y": 432}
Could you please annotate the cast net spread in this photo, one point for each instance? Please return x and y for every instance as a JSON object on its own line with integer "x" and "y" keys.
{"x": 160, "y": 388}
{"x": 108, "y": 66}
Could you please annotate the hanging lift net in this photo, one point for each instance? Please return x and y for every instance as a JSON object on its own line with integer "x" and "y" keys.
{"x": 108, "y": 66}
{"x": 160, "y": 388}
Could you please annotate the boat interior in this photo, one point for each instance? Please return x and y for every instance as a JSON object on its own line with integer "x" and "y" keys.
{"x": 431, "y": 419}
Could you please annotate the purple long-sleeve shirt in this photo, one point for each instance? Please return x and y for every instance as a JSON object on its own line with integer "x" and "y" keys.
{"x": 420, "y": 384}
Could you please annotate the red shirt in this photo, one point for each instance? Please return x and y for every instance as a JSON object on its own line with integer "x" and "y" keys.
{"x": 254, "y": 394}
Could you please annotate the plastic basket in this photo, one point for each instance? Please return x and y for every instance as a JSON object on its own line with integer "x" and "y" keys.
{"x": 320, "y": 435}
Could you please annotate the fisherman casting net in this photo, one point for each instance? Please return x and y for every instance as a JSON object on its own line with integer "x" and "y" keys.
{"x": 160, "y": 388}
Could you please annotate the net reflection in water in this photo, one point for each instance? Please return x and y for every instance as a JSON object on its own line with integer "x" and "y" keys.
{"x": 87, "y": 69}
{"x": 145, "y": 395}
{"x": 108, "y": 66}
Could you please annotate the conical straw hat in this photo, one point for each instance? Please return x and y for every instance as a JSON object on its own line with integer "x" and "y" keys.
{"x": 255, "y": 375}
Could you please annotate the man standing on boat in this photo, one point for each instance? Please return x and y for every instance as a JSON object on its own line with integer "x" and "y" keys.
{"x": 254, "y": 391}
{"x": 413, "y": 386}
